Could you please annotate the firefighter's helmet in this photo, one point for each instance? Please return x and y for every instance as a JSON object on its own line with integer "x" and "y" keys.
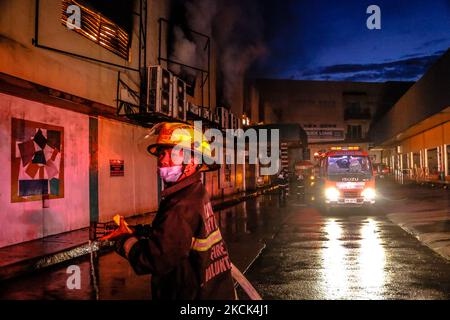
{"x": 185, "y": 136}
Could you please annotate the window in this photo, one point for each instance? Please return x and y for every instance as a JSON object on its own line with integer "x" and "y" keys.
{"x": 405, "y": 162}
{"x": 354, "y": 132}
{"x": 416, "y": 160}
{"x": 433, "y": 161}
{"x": 349, "y": 164}
{"x": 99, "y": 29}
{"x": 353, "y": 107}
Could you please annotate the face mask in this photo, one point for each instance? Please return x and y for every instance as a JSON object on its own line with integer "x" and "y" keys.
{"x": 170, "y": 174}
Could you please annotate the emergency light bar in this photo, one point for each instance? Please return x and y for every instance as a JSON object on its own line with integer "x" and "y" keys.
{"x": 345, "y": 149}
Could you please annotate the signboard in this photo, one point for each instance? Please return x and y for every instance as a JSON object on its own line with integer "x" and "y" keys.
{"x": 321, "y": 135}
{"x": 117, "y": 168}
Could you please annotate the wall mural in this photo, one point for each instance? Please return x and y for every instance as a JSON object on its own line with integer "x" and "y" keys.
{"x": 37, "y": 166}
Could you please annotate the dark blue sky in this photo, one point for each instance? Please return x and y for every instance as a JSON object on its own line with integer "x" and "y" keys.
{"x": 329, "y": 40}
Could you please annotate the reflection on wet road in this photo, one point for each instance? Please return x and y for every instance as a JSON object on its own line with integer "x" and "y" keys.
{"x": 347, "y": 254}
{"x": 339, "y": 268}
{"x": 335, "y": 275}
{"x": 107, "y": 277}
{"x": 372, "y": 261}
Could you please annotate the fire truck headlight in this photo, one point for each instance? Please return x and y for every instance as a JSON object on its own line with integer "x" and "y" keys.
{"x": 332, "y": 194}
{"x": 369, "y": 194}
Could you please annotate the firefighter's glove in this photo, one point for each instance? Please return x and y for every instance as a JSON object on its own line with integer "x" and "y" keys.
{"x": 120, "y": 244}
{"x": 121, "y": 231}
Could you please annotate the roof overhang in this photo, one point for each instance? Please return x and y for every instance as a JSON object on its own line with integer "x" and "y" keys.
{"x": 427, "y": 124}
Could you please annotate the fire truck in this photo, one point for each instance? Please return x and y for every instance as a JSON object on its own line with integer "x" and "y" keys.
{"x": 347, "y": 177}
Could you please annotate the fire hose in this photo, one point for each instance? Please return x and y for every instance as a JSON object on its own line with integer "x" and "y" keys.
{"x": 244, "y": 283}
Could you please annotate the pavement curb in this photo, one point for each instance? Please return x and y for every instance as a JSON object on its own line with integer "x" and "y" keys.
{"x": 439, "y": 242}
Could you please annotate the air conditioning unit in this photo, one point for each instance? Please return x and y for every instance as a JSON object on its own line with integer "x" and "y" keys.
{"x": 179, "y": 99}
{"x": 159, "y": 90}
{"x": 194, "y": 109}
{"x": 223, "y": 117}
{"x": 206, "y": 113}
{"x": 232, "y": 120}
{"x": 215, "y": 118}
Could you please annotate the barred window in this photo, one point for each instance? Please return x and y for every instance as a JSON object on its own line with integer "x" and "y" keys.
{"x": 98, "y": 28}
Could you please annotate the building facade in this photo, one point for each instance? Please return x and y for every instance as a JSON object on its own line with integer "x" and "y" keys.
{"x": 414, "y": 136}
{"x": 69, "y": 158}
{"x": 331, "y": 113}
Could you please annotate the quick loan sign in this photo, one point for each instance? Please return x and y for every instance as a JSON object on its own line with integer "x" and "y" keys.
{"x": 321, "y": 135}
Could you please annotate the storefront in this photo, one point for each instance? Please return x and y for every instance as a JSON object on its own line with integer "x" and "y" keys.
{"x": 415, "y": 134}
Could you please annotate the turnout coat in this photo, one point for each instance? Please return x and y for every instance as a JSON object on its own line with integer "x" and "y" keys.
{"x": 183, "y": 250}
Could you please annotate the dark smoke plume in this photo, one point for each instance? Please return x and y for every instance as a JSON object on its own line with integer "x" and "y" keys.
{"x": 237, "y": 30}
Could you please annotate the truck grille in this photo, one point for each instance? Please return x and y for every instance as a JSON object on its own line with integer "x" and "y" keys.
{"x": 351, "y": 194}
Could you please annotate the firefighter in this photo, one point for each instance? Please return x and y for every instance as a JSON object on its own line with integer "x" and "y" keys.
{"x": 183, "y": 250}
{"x": 283, "y": 181}
{"x": 300, "y": 184}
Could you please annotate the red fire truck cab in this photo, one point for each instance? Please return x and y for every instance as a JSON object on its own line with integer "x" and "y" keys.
{"x": 347, "y": 177}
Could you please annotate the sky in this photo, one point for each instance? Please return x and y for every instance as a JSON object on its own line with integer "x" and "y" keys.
{"x": 329, "y": 40}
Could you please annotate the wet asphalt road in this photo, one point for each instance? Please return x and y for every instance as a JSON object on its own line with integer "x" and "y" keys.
{"x": 347, "y": 254}
{"x": 310, "y": 254}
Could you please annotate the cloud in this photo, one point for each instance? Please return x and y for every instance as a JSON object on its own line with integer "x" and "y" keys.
{"x": 410, "y": 69}
{"x": 435, "y": 42}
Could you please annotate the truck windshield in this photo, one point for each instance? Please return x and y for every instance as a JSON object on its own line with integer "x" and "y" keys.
{"x": 340, "y": 165}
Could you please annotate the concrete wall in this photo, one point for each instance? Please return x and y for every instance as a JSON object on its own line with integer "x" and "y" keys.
{"x": 298, "y": 102}
{"x": 26, "y": 221}
{"x": 429, "y": 139}
{"x": 315, "y": 101}
{"x": 137, "y": 191}
{"x": 427, "y": 97}
{"x": 66, "y": 73}
{"x": 320, "y": 102}
{"x": 134, "y": 193}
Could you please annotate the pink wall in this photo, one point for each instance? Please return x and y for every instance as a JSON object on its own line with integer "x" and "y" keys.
{"x": 24, "y": 221}
{"x": 137, "y": 191}
{"x": 134, "y": 193}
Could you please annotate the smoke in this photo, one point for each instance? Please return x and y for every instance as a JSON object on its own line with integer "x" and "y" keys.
{"x": 200, "y": 15}
{"x": 236, "y": 28}
{"x": 239, "y": 34}
{"x": 184, "y": 51}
